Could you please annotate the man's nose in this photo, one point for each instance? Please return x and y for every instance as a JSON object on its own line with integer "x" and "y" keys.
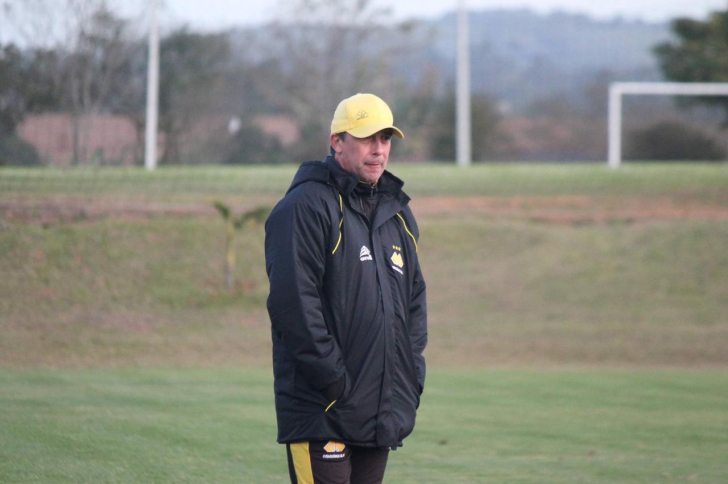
{"x": 378, "y": 147}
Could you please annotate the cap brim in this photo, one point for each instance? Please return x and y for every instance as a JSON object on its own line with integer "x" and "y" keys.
{"x": 366, "y": 131}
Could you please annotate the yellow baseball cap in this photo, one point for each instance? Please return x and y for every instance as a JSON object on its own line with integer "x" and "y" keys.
{"x": 362, "y": 115}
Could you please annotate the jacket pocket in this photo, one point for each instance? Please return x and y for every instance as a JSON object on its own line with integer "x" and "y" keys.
{"x": 344, "y": 395}
{"x": 305, "y": 391}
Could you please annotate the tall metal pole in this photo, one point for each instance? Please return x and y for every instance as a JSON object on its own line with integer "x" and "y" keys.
{"x": 463, "y": 129}
{"x": 615, "y": 126}
{"x": 150, "y": 142}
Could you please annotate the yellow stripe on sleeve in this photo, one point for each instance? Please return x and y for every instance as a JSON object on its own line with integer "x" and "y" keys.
{"x": 407, "y": 230}
{"x": 337, "y": 244}
{"x": 341, "y": 207}
{"x": 302, "y": 462}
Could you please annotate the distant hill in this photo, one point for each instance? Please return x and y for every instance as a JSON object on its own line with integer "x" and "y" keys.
{"x": 548, "y": 73}
{"x": 519, "y": 55}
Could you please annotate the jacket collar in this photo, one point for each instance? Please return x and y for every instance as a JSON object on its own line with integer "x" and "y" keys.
{"x": 393, "y": 201}
{"x": 345, "y": 182}
{"x": 340, "y": 178}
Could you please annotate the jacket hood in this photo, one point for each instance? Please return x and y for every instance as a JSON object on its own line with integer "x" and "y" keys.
{"x": 310, "y": 171}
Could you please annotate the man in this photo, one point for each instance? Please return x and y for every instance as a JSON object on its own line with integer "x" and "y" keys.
{"x": 347, "y": 305}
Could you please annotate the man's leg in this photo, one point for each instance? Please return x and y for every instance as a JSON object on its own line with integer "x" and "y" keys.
{"x": 319, "y": 462}
{"x": 367, "y": 465}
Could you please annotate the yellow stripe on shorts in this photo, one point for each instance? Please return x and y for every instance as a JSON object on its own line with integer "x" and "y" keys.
{"x": 302, "y": 462}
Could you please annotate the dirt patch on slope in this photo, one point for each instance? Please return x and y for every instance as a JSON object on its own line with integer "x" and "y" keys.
{"x": 569, "y": 210}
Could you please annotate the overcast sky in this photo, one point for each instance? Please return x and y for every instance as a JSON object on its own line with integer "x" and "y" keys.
{"x": 214, "y": 14}
{"x": 211, "y": 15}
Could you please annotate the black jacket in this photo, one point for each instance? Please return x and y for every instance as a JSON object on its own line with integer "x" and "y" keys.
{"x": 347, "y": 300}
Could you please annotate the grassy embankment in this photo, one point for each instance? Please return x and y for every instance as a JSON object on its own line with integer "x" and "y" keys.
{"x": 510, "y": 287}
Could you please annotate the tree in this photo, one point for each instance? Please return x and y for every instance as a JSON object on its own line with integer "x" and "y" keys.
{"x": 27, "y": 84}
{"x": 90, "y": 56}
{"x": 323, "y": 47}
{"x": 193, "y": 71}
{"x": 12, "y": 100}
{"x": 484, "y": 121}
{"x": 100, "y": 56}
{"x": 700, "y": 54}
{"x": 251, "y": 145}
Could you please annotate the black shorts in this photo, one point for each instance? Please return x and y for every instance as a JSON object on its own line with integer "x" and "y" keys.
{"x": 329, "y": 462}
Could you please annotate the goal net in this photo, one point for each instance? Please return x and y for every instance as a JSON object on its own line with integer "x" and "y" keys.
{"x": 619, "y": 89}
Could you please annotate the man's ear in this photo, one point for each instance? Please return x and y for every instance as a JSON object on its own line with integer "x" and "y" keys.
{"x": 335, "y": 142}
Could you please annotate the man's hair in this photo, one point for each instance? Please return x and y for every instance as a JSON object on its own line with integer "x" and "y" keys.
{"x": 342, "y": 137}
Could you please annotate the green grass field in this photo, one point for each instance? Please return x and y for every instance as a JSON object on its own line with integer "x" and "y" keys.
{"x": 476, "y": 426}
{"x": 578, "y": 326}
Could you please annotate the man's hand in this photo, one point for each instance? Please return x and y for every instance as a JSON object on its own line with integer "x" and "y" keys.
{"x": 335, "y": 391}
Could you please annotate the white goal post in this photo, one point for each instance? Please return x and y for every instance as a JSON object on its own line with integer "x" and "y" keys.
{"x": 618, "y": 89}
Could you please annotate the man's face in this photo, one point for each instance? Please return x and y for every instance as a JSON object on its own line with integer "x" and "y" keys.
{"x": 364, "y": 157}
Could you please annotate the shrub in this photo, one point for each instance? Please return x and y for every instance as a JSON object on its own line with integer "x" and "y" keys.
{"x": 251, "y": 145}
{"x": 672, "y": 141}
{"x": 17, "y": 152}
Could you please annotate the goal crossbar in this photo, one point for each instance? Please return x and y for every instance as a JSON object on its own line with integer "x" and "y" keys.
{"x": 619, "y": 89}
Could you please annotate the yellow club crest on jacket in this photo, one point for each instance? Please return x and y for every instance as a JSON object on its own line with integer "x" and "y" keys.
{"x": 397, "y": 259}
